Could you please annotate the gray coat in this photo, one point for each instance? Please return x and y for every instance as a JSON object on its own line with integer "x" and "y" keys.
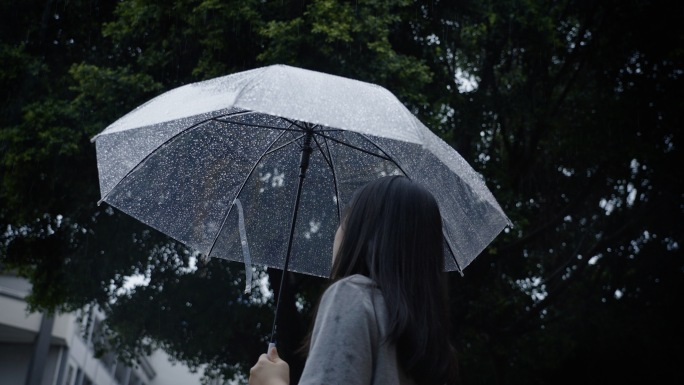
{"x": 347, "y": 344}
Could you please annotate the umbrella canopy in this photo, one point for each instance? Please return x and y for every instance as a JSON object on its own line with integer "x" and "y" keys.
{"x": 258, "y": 165}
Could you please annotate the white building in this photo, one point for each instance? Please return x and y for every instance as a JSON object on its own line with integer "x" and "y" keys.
{"x": 37, "y": 349}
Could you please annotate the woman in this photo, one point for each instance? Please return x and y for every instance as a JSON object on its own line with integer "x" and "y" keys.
{"x": 384, "y": 319}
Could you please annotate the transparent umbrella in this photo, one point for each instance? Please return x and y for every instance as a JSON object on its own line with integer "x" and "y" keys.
{"x": 256, "y": 167}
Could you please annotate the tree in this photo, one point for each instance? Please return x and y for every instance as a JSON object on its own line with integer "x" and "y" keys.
{"x": 573, "y": 123}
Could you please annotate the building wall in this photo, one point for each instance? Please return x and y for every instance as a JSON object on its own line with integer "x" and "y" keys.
{"x": 68, "y": 359}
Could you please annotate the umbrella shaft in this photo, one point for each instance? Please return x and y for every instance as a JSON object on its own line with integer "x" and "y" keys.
{"x": 303, "y": 166}
{"x": 306, "y": 154}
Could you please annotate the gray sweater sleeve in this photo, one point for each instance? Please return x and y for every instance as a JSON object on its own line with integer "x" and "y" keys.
{"x": 344, "y": 339}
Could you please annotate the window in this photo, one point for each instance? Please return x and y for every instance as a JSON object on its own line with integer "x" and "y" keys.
{"x": 69, "y": 377}
{"x": 121, "y": 373}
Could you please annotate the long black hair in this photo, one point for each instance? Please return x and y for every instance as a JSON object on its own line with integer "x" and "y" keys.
{"x": 392, "y": 233}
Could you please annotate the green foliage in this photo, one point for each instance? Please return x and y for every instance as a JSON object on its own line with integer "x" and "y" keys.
{"x": 101, "y": 94}
{"x": 185, "y": 40}
{"x": 348, "y": 39}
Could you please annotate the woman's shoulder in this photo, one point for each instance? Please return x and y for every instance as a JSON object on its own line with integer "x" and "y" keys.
{"x": 356, "y": 282}
{"x": 350, "y": 287}
{"x": 353, "y": 299}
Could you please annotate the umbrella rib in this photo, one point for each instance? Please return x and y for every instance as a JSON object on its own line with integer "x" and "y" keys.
{"x": 359, "y": 148}
{"x": 284, "y": 145}
{"x": 448, "y": 243}
{"x": 284, "y": 129}
{"x": 289, "y": 128}
{"x": 318, "y": 145}
{"x": 332, "y": 170}
{"x": 384, "y": 152}
{"x": 230, "y": 207}
{"x": 451, "y": 251}
{"x": 169, "y": 140}
{"x": 386, "y": 156}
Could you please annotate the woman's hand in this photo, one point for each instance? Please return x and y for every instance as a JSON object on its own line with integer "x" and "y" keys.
{"x": 270, "y": 370}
